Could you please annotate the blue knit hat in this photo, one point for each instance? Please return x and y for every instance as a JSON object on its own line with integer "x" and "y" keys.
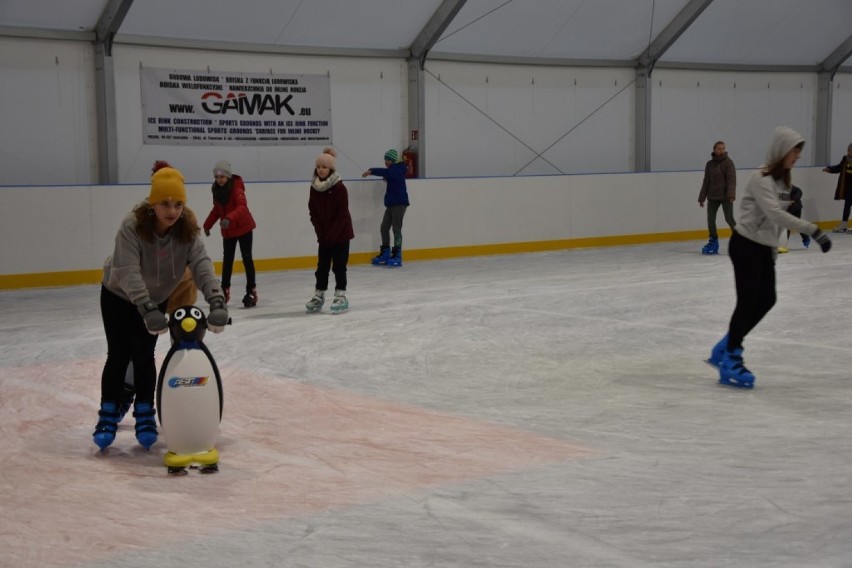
{"x": 392, "y": 155}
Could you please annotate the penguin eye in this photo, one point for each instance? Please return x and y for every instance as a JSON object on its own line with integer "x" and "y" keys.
{"x": 196, "y": 313}
{"x": 179, "y": 314}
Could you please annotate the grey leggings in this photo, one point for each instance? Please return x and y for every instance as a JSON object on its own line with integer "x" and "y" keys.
{"x": 393, "y": 219}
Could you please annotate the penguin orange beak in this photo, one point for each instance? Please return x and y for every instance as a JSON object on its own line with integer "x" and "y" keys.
{"x": 189, "y": 325}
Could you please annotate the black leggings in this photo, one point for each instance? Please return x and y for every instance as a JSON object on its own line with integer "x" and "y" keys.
{"x": 229, "y": 247}
{"x": 334, "y": 258}
{"x": 754, "y": 273}
{"x": 127, "y": 340}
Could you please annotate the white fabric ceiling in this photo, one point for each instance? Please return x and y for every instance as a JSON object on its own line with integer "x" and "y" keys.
{"x": 727, "y": 33}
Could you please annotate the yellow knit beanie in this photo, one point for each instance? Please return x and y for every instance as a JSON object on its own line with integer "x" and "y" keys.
{"x": 166, "y": 184}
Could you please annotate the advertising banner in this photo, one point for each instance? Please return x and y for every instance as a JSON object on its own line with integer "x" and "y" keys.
{"x": 213, "y": 108}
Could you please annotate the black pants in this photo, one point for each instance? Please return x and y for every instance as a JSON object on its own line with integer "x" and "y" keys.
{"x": 847, "y": 205}
{"x": 754, "y": 273}
{"x": 230, "y": 249}
{"x": 334, "y": 258}
{"x": 127, "y": 340}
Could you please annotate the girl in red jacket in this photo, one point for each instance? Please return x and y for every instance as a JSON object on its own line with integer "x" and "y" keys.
{"x": 329, "y": 209}
{"x": 230, "y": 208}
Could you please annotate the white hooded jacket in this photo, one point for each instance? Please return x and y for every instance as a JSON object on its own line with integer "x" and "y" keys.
{"x": 763, "y": 208}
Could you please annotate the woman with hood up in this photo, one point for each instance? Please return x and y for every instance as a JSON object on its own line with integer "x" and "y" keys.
{"x": 763, "y": 217}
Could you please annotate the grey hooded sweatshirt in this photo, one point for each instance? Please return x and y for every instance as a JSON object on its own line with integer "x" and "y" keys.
{"x": 763, "y": 208}
{"x": 139, "y": 271}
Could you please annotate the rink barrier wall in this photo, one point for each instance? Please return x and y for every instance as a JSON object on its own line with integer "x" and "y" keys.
{"x": 60, "y": 235}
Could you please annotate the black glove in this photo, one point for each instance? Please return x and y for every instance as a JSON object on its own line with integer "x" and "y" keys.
{"x": 823, "y": 240}
{"x": 154, "y": 319}
{"x": 206, "y": 232}
{"x": 218, "y": 317}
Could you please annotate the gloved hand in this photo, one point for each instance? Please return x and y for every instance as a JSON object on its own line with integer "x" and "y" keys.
{"x": 823, "y": 240}
{"x": 225, "y": 222}
{"x": 206, "y": 232}
{"x": 217, "y": 319}
{"x": 155, "y": 320}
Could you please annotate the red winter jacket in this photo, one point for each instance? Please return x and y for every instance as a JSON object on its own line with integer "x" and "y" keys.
{"x": 236, "y": 211}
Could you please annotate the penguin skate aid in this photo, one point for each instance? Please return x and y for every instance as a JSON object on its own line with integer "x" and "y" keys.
{"x": 190, "y": 396}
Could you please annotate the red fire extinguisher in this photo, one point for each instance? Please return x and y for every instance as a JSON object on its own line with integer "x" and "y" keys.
{"x": 409, "y": 156}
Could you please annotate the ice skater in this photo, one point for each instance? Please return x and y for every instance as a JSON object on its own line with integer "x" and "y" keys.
{"x": 719, "y": 189}
{"x": 844, "y": 188}
{"x": 396, "y": 203}
{"x": 763, "y": 216}
{"x": 328, "y": 206}
{"x": 155, "y": 243}
{"x": 230, "y": 208}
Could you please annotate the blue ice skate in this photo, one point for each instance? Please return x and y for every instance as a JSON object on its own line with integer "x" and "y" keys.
{"x": 104, "y": 434}
{"x": 712, "y": 246}
{"x": 806, "y": 241}
{"x": 733, "y": 372}
{"x": 718, "y": 352}
{"x": 146, "y": 425}
{"x": 396, "y": 257}
{"x": 382, "y": 258}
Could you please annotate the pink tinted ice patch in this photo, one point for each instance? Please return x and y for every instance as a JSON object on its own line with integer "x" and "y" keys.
{"x": 287, "y": 449}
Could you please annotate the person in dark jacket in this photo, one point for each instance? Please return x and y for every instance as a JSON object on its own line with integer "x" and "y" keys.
{"x": 396, "y": 203}
{"x": 844, "y": 188}
{"x": 328, "y": 206}
{"x": 795, "y": 209}
{"x": 230, "y": 208}
{"x": 719, "y": 188}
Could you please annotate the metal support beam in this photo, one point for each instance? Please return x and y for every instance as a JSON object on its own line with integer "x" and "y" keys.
{"x": 417, "y": 113}
{"x": 825, "y": 97}
{"x": 822, "y": 153}
{"x": 833, "y": 62}
{"x": 642, "y": 122}
{"x": 671, "y": 32}
{"x": 437, "y": 24}
{"x": 645, "y": 65}
{"x": 425, "y": 40}
{"x": 105, "y": 31}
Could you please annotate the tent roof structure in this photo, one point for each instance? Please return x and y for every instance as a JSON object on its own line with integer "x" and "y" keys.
{"x": 710, "y": 34}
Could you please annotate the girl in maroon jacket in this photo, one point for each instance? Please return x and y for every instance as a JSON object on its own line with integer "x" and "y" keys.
{"x": 329, "y": 209}
{"x": 230, "y": 208}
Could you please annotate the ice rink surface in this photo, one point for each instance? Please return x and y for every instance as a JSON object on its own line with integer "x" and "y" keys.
{"x": 537, "y": 410}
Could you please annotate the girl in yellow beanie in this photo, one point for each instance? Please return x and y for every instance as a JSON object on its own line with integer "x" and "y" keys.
{"x": 155, "y": 244}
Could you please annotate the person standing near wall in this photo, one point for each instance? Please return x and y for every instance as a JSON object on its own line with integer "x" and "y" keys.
{"x": 752, "y": 250}
{"x": 155, "y": 243}
{"x": 844, "y": 187}
{"x": 328, "y": 206}
{"x": 396, "y": 203}
{"x": 719, "y": 188}
{"x": 230, "y": 208}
